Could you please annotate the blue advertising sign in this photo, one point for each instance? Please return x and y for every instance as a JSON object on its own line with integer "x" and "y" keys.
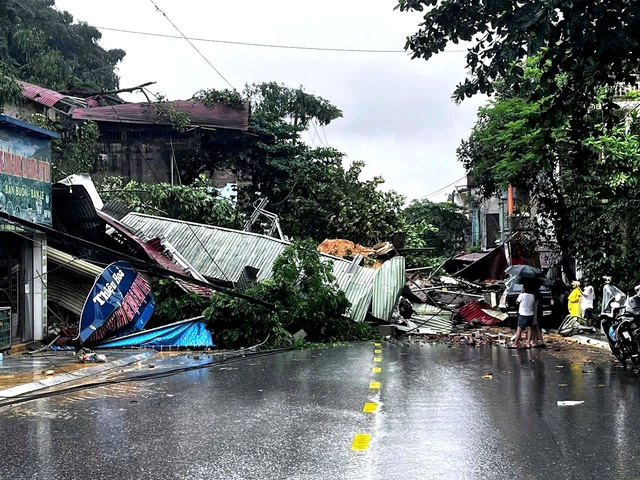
{"x": 120, "y": 302}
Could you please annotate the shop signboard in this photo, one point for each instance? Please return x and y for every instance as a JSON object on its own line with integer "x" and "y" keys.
{"x": 120, "y": 303}
{"x": 25, "y": 171}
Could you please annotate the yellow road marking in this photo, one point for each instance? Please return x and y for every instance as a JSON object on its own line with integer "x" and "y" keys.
{"x": 377, "y": 359}
{"x": 377, "y": 344}
{"x": 375, "y": 385}
{"x": 376, "y": 370}
{"x": 378, "y": 351}
{"x": 361, "y": 441}
{"x": 370, "y": 407}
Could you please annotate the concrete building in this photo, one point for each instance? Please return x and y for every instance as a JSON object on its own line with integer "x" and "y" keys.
{"x": 25, "y": 193}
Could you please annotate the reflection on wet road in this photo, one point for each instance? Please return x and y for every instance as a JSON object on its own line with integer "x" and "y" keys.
{"x": 419, "y": 412}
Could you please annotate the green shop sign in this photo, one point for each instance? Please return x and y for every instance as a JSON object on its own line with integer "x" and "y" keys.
{"x": 25, "y": 170}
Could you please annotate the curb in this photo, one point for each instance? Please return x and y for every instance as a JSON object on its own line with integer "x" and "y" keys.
{"x": 68, "y": 377}
{"x": 592, "y": 342}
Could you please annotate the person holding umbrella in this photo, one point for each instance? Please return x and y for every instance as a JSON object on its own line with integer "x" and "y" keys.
{"x": 526, "y": 303}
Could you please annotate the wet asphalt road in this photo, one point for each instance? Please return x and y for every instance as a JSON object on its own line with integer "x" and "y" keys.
{"x": 294, "y": 416}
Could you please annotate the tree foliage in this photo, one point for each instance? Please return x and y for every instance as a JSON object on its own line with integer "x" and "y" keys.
{"x": 588, "y": 208}
{"x": 542, "y": 128}
{"x": 309, "y": 188}
{"x": 75, "y": 150}
{"x": 607, "y": 209}
{"x": 593, "y": 42}
{"x": 305, "y": 295}
{"x": 198, "y": 202}
{"x": 442, "y": 226}
{"x": 42, "y": 45}
{"x": 10, "y": 91}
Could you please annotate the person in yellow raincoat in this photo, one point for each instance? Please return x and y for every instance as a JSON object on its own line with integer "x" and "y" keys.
{"x": 574, "y": 299}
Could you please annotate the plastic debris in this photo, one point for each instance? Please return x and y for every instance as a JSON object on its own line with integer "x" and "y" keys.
{"x": 488, "y": 376}
{"x": 49, "y": 372}
{"x": 87, "y": 356}
{"x": 569, "y": 403}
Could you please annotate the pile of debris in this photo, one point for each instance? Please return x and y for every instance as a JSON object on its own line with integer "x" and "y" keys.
{"x": 374, "y": 256}
{"x": 443, "y": 307}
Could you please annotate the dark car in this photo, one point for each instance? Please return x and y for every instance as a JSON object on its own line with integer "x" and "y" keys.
{"x": 509, "y": 306}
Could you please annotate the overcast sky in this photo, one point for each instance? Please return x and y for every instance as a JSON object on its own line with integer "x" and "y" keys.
{"x": 398, "y": 114}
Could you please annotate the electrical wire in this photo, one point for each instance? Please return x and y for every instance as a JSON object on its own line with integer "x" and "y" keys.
{"x": 23, "y": 398}
{"x": 191, "y": 43}
{"x": 265, "y": 45}
{"x": 207, "y": 252}
{"x": 443, "y": 188}
{"x": 95, "y": 77}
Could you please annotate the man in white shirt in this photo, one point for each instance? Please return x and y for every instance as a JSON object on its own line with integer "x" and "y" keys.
{"x": 588, "y": 295}
{"x": 526, "y": 303}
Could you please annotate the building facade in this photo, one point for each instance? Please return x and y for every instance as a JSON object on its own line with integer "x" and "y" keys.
{"x": 25, "y": 194}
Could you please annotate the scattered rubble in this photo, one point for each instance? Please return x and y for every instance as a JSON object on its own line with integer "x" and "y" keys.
{"x": 87, "y": 356}
{"x": 374, "y": 256}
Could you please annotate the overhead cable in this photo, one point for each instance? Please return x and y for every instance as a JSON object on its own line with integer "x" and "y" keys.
{"x": 264, "y": 45}
{"x": 191, "y": 43}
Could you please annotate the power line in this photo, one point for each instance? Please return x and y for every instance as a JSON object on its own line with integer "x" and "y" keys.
{"x": 191, "y": 43}
{"x": 440, "y": 190}
{"x": 81, "y": 54}
{"x": 264, "y": 45}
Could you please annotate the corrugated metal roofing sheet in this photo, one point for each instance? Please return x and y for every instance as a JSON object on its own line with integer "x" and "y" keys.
{"x": 215, "y": 252}
{"x": 223, "y": 253}
{"x": 69, "y": 291}
{"x": 69, "y": 262}
{"x": 357, "y": 286}
{"x": 41, "y": 95}
{"x": 473, "y": 311}
{"x": 387, "y": 287}
{"x": 220, "y": 116}
{"x": 437, "y": 323}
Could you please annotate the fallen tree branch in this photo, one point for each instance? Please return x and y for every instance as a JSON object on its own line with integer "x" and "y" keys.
{"x": 76, "y": 93}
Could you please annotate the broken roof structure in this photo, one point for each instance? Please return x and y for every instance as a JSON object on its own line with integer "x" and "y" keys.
{"x": 148, "y": 113}
{"x": 222, "y": 254}
{"x": 51, "y": 98}
{"x": 200, "y": 115}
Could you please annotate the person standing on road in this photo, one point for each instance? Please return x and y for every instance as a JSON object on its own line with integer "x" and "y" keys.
{"x": 526, "y": 302}
{"x": 536, "y": 339}
{"x": 588, "y": 296}
{"x": 574, "y": 299}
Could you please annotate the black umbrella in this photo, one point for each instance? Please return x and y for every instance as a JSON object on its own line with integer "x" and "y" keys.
{"x": 524, "y": 271}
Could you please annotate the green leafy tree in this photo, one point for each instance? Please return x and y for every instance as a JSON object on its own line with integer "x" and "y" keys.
{"x": 515, "y": 142}
{"x": 10, "y": 91}
{"x": 442, "y": 226}
{"x": 42, "y": 45}
{"x": 308, "y": 187}
{"x": 593, "y": 42}
{"x": 305, "y": 295}
{"x": 583, "y": 51}
{"x": 589, "y": 209}
{"x": 198, "y": 202}
{"x": 607, "y": 208}
{"x": 75, "y": 150}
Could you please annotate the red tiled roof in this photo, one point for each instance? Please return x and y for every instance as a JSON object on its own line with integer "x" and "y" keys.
{"x": 220, "y": 116}
{"x": 41, "y": 95}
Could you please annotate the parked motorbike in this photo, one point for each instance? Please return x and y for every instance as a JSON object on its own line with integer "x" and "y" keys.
{"x": 620, "y": 323}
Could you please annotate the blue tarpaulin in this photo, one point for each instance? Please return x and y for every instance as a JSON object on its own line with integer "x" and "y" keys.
{"x": 191, "y": 333}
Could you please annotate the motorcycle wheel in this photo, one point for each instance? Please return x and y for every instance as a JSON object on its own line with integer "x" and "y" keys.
{"x": 618, "y": 352}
